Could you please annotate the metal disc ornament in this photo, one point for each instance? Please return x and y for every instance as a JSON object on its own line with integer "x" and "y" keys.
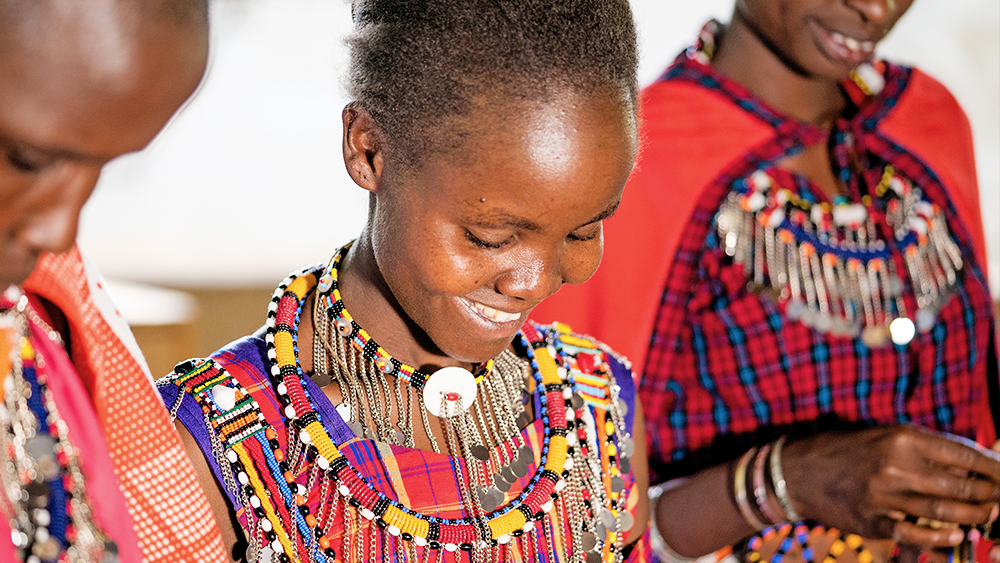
{"x": 455, "y": 385}
{"x": 902, "y": 330}
{"x": 627, "y": 520}
{"x": 500, "y": 483}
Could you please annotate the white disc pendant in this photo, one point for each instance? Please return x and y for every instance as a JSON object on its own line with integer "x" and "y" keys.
{"x": 456, "y": 385}
{"x": 902, "y": 331}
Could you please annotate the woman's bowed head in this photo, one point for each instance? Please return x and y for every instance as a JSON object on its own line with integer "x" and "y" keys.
{"x": 485, "y": 201}
{"x": 82, "y": 83}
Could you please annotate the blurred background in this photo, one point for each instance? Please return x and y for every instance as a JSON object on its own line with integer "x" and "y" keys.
{"x": 248, "y": 182}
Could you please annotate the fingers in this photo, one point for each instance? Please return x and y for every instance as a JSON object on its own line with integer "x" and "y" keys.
{"x": 995, "y": 554}
{"x": 951, "y": 453}
{"x": 908, "y": 532}
{"x": 971, "y": 490}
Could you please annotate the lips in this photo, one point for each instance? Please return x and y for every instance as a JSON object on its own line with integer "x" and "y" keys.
{"x": 843, "y": 47}
{"x": 489, "y": 313}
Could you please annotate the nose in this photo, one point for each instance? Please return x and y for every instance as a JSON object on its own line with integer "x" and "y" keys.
{"x": 537, "y": 275}
{"x": 532, "y": 278}
{"x": 878, "y": 12}
{"x": 51, "y": 223}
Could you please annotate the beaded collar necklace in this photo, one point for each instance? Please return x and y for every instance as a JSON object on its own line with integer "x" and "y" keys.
{"x": 829, "y": 263}
{"x": 329, "y": 289}
{"x": 481, "y": 530}
{"x": 40, "y": 475}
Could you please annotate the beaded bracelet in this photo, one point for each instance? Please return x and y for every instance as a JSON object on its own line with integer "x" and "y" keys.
{"x": 661, "y": 549}
{"x": 740, "y": 488}
{"x": 852, "y": 541}
{"x": 780, "y": 485}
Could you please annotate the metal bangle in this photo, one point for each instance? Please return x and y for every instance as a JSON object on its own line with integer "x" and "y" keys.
{"x": 780, "y": 485}
{"x": 661, "y": 549}
{"x": 760, "y": 486}
{"x": 740, "y": 487}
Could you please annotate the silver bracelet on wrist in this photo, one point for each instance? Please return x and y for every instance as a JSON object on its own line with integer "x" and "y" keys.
{"x": 663, "y": 552}
{"x": 780, "y": 485}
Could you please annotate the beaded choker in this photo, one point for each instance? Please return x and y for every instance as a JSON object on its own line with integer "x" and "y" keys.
{"x": 43, "y": 487}
{"x": 330, "y": 298}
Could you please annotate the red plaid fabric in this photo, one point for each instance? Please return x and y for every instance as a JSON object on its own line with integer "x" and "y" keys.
{"x": 726, "y": 370}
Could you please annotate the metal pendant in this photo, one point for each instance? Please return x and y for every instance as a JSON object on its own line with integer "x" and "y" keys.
{"x": 454, "y": 387}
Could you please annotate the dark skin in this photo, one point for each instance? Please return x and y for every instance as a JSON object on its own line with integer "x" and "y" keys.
{"x": 786, "y": 53}
{"x": 90, "y": 84}
{"x": 457, "y": 251}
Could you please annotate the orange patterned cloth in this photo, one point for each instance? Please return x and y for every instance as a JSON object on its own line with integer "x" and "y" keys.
{"x": 170, "y": 513}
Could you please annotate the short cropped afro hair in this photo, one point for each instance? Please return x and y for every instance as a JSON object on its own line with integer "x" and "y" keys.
{"x": 417, "y": 64}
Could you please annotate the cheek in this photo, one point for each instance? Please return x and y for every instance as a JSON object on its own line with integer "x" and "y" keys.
{"x": 581, "y": 263}
{"x": 425, "y": 260}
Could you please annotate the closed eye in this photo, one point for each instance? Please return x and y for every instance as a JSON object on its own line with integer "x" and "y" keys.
{"x": 485, "y": 244}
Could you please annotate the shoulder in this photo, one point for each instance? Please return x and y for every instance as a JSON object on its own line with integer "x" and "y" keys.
{"x": 598, "y": 373}
{"x": 925, "y": 106}
{"x": 225, "y": 385}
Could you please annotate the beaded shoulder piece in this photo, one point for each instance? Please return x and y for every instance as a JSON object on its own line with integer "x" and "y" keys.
{"x": 302, "y": 499}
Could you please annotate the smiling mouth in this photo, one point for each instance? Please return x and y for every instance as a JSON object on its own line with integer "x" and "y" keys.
{"x": 490, "y": 313}
{"x": 844, "y": 47}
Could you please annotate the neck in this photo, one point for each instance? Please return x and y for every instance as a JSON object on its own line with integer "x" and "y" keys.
{"x": 369, "y": 300}
{"x": 743, "y": 56}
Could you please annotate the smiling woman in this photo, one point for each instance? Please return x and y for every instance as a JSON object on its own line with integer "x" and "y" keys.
{"x": 399, "y": 404}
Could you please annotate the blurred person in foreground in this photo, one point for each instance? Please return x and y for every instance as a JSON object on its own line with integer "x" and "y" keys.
{"x": 797, "y": 271}
{"x": 85, "y": 442}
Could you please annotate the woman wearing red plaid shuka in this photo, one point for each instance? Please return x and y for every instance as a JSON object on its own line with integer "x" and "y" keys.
{"x": 796, "y": 268}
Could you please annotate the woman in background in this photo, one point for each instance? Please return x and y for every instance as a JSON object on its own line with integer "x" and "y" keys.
{"x": 397, "y": 404}
{"x": 797, "y": 269}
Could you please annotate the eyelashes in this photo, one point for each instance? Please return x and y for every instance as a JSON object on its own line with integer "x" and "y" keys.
{"x": 485, "y": 244}
{"x": 497, "y": 245}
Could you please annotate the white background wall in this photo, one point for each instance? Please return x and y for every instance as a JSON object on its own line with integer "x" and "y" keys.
{"x": 248, "y": 183}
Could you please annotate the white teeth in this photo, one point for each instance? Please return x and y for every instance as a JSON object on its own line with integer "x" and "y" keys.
{"x": 852, "y": 43}
{"x": 490, "y": 312}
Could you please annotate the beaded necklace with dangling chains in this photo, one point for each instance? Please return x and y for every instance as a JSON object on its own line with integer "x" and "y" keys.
{"x": 450, "y": 390}
{"x": 561, "y": 461}
{"x": 826, "y": 261}
{"x": 43, "y": 487}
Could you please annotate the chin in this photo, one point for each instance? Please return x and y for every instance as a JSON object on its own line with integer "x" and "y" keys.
{"x": 476, "y": 352}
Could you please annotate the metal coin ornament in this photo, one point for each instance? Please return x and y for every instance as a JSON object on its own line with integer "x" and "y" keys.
{"x": 902, "y": 330}
{"x": 452, "y": 387}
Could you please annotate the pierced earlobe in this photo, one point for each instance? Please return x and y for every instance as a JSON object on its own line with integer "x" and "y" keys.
{"x": 362, "y": 147}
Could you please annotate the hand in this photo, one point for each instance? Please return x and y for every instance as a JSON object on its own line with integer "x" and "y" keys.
{"x": 995, "y": 550}
{"x": 868, "y": 481}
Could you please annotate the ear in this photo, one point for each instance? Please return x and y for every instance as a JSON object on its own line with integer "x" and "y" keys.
{"x": 362, "y": 147}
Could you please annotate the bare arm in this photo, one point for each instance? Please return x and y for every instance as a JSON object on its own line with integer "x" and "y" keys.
{"x": 860, "y": 482}
{"x": 640, "y": 466}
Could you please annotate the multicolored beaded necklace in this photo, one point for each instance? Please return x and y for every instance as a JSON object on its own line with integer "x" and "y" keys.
{"x": 577, "y": 486}
{"x": 43, "y": 487}
{"x": 835, "y": 265}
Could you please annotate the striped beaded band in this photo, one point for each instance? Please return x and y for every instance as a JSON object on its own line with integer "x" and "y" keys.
{"x": 346, "y": 326}
{"x": 281, "y": 336}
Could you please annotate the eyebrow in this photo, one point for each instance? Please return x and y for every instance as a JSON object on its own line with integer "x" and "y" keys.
{"x": 506, "y": 219}
{"x": 607, "y": 213}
